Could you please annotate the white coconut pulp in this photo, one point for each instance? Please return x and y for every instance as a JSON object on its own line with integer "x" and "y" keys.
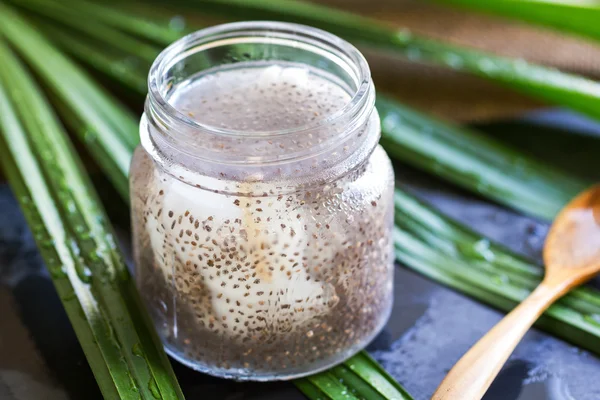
{"x": 265, "y": 98}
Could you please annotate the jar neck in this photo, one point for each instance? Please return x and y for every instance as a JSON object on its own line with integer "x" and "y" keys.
{"x": 325, "y": 148}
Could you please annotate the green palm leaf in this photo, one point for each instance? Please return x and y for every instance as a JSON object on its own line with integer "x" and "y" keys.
{"x": 425, "y": 240}
{"x": 77, "y": 244}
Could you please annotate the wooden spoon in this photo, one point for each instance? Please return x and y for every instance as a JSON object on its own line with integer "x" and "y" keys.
{"x": 572, "y": 256}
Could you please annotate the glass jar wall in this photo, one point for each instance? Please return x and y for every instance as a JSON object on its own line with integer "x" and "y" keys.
{"x": 262, "y": 205}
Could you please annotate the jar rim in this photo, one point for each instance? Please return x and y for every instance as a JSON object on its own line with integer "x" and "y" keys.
{"x": 270, "y": 31}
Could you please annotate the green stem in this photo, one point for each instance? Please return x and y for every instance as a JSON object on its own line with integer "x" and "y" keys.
{"x": 310, "y": 390}
{"x": 360, "y": 387}
{"x": 79, "y": 91}
{"x": 478, "y": 163}
{"x": 131, "y": 70}
{"x": 102, "y": 122}
{"x": 444, "y": 236}
{"x": 71, "y": 16}
{"x": 572, "y": 318}
{"x": 327, "y": 383}
{"x": 77, "y": 243}
{"x": 160, "y": 30}
{"x": 369, "y": 370}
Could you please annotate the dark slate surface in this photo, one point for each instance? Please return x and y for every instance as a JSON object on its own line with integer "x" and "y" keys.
{"x": 430, "y": 328}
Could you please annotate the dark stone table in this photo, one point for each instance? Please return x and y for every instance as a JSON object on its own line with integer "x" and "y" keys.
{"x": 430, "y": 328}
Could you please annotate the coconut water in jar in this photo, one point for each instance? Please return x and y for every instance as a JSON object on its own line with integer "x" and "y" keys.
{"x": 262, "y": 204}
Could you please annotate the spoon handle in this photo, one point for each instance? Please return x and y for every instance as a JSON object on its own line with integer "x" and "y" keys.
{"x": 473, "y": 374}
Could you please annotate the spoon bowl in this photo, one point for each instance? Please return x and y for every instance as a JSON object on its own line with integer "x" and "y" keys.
{"x": 572, "y": 256}
{"x": 574, "y": 239}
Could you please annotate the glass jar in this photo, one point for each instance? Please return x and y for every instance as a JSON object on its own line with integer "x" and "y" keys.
{"x": 262, "y": 204}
